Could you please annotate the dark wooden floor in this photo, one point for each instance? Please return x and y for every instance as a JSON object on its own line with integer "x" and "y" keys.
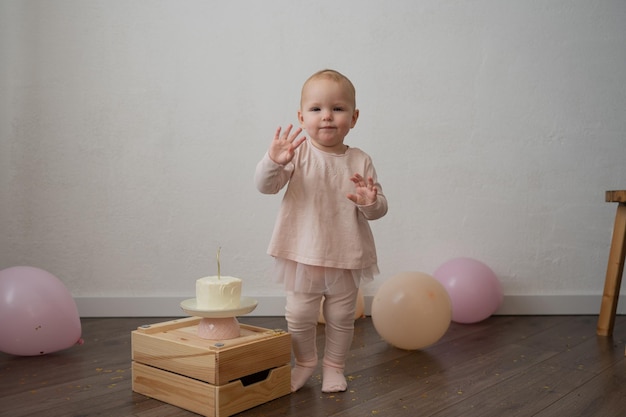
{"x": 544, "y": 366}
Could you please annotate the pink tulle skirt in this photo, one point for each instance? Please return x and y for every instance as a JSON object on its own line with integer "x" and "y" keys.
{"x": 300, "y": 277}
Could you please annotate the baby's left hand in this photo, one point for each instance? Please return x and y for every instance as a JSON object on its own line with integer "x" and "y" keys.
{"x": 365, "y": 192}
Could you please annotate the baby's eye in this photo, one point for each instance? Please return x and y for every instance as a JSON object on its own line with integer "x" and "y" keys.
{"x": 314, "y": 109}
{"x": 338, "y": 109}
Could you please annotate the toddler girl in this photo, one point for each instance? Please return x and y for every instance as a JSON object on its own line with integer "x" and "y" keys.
{"x": 322, "y": 243}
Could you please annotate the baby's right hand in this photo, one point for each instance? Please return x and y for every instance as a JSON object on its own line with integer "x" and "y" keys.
{"x": 283, "y": 146}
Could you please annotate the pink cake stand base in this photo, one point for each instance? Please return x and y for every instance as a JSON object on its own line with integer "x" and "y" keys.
{"x": 219, "y": 324}
{"x": 218, "y": 328}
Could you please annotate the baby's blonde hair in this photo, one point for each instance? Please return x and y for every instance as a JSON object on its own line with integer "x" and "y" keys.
{"x": 331, "y": 74}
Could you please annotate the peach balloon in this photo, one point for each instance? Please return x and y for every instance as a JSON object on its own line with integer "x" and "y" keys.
{"x": 411, "y": 310}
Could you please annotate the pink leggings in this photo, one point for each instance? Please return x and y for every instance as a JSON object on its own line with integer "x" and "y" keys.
{"x": 302, "y": 312}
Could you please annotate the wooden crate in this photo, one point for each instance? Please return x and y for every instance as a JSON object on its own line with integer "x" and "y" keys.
{"x": 216, "y": 378}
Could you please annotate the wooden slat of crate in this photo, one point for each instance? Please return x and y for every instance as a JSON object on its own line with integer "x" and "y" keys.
{"x": 207, "y": 399}
{"x": 176, "y": 347}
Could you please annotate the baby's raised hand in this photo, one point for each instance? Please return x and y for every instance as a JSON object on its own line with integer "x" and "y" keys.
{"x": 283, "y": 146}
{"x": 365, "y": 192}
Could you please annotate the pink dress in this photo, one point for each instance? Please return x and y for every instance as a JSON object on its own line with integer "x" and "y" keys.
{"x": 321, "y": 239}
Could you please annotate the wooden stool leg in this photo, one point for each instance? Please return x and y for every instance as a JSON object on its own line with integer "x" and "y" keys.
{"x": 614, "y": 272}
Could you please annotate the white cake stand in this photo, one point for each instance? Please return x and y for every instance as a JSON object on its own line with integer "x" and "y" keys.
{"x": 219, "y": 324}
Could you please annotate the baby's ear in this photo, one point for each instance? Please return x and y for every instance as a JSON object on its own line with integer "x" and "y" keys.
{"x": 300, "y": 118}
{"x": 355, "y": 117}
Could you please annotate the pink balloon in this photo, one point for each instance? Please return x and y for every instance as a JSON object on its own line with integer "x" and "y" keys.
{"x": 37, "y": 313}
{"x": 475, "y": 291}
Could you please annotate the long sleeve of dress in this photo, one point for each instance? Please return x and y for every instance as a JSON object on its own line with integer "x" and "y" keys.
{"x": 377, "y": 209}
{"x": 271, "y": 177}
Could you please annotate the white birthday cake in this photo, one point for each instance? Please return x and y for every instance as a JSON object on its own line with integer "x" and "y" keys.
{"x": 218, "y": 293}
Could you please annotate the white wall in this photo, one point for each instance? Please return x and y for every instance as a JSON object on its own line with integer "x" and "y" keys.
{"x": 129, "y": 133}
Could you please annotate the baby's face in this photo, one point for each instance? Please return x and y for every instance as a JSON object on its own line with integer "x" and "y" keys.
{"x": 327, "y": 113}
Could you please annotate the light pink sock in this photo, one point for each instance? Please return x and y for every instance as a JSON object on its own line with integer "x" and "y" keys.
{"x": 333, "y": 379}
{"x": 301, "y": 373}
